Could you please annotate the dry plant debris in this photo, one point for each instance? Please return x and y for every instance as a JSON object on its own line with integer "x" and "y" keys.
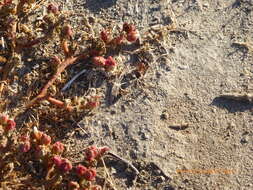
{"x": 26, "y": 151}
{"x": 178, "y": 127}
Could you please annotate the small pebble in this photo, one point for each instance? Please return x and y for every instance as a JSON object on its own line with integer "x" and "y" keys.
{"x": 161, "y": 178}
{"x": 113, "y": 112}
{"x": 244, "y": 140}
{"x": 164, "y": 116}
{"x": 205, "y": 5}
{"x": 182, "y": 67}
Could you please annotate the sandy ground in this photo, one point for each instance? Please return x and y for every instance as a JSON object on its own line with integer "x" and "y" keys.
{"x": 190, "y": 70}
{"x": 195, "y": 63}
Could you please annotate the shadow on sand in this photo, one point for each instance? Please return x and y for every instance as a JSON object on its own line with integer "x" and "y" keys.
{"x": 232, "y": 105}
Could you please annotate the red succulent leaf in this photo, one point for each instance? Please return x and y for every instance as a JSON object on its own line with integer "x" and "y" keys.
{"x": 97, "y": 187}
{"x": 73, "y": 185}
{"x": 66, "y": 165}
{"x": 91, "y": 153}
{"x": 80, "y": 170}
{"x": 132, "y": 36}
{"x": 92, "y": 104}
{"x": 90, "y": 174}
{"x": 24, "y": 138}
{"x": 6, "y": 2}
{"x": 3, "y": 119}
{"x": 67, "y": 31}
{"x": 45, "y": 139}
{"x": 25, "y": 147}
{"x": 99, "y": 61}
{"x": 52, "y": 8}
{"x": 105, "y": 36}
{"x": 110, "y": 63}
{"x": 10, "y": 125}
{"x": 57, "y": 161}
{"x": 103, "y": 150}
{"x": 57, "y": 148}
{"x": 128, "y": 27}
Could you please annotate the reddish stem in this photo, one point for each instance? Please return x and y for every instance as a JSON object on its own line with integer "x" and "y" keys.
{"x": 59, "y": 103}
{"x": 61, "y": 67}
{"x": 65, "y": 48}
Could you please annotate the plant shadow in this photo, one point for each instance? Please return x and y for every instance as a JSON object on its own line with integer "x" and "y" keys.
{"x": 232, "y": 105}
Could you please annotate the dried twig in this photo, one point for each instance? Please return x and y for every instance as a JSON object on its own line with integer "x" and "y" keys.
{"x": 2, "y": 43}
{"x": 108, "y": 175}
{"x": 125, "y": 161}
{"x": 80, "y": 127}
{"x": 179, "y": 126}
{"x": 73, "y": 79}
{"x": 59, "y": 103}
{"x": 61, "y": 67}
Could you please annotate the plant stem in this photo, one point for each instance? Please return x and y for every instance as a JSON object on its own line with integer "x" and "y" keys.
{"x": 61, "y": 67}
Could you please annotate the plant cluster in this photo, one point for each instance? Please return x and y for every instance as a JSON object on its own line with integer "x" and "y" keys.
{"x": 19, "y": 36}
{"x": 20, "y": 33}
{"x": 7, "y": 123}
{"x": 38, "y": 146}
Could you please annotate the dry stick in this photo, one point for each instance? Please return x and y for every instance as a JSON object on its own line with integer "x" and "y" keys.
{"x": 178, "y": 127}
{"x": 78, "y": 125}
{"x": 65, "y": 48}
{"x": 108, "y": 175}
{"x": 2, "y": 42}
{"x": 59, "y": 103}
{"x": 73, "y": 79}
{"x": 125, "y": 161}
{"x": 61, "y": 67}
